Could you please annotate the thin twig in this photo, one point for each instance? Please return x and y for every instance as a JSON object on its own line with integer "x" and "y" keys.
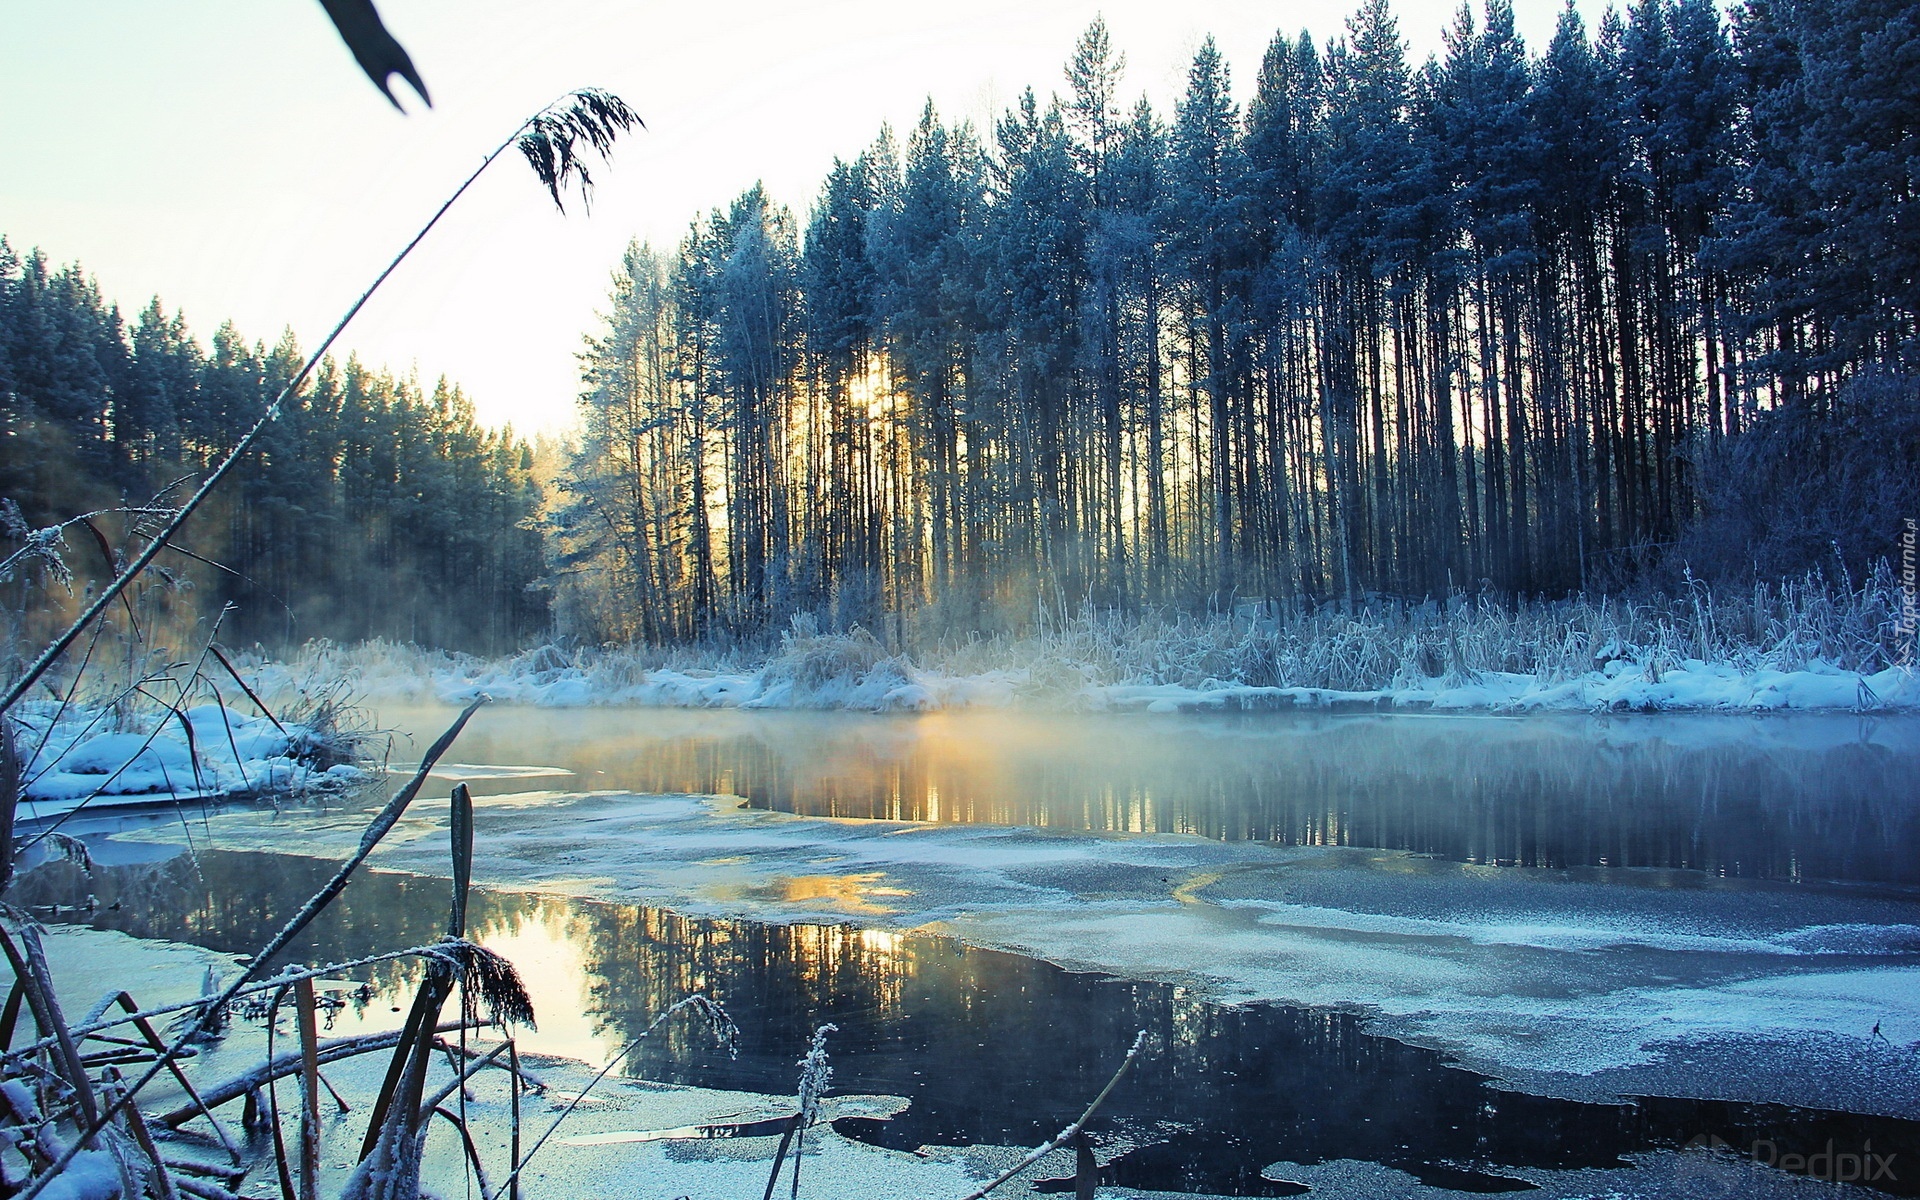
{"x": 475, "y": 1061}
{"x": 1040, "y": 1152}
{"x": 327, "y": 1053}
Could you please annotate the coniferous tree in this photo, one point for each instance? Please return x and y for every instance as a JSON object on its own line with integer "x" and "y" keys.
{"x": 1477, "y": 325}
{"x": 366, "y": 510}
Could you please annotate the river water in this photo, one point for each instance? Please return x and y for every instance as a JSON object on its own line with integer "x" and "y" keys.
{"x": 1787, "y": 798}
{"x": 1471, "y": 949}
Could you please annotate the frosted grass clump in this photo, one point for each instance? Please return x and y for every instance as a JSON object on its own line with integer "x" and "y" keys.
{"x": 815, "y": 1075}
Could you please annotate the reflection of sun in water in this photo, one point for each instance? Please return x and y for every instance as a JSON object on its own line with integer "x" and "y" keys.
{"x": 823, "y": 955}
{"x": 850, "y": 893}
{"x": 554, "y": 971}
{"x": 880, "y": 941}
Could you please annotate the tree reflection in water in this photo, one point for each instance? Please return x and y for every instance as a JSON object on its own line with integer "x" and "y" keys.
{"x": 989, "y": 1047}
{"x": 1785, "y": 797}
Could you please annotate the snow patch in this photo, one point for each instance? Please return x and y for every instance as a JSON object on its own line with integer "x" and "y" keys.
{"x": 74, "y": 757}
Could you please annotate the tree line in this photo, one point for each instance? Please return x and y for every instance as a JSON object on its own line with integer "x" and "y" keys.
{"x": 372, "y": 508}
{"x": 1507, "y": 321}
{"x": 1478, "y": 323}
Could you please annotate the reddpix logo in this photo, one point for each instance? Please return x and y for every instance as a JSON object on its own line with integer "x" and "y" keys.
{"x": 1864, "y": 1167}
{"x": 1726, "y": 1166}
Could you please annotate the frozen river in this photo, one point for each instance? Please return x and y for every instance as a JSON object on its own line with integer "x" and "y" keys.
{"x": 1471, "y": 950}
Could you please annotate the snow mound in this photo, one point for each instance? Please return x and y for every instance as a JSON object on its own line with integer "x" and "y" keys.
{"x": 74, "y": 757}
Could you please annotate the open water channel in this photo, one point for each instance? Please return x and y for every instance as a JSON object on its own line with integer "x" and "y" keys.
{"x": 1471, "y": 949}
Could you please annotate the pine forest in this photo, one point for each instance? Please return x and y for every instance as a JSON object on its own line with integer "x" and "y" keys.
{"x": 1505, "y": 321}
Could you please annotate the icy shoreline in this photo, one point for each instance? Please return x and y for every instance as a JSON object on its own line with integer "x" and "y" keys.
{"x": 549, "y": 679}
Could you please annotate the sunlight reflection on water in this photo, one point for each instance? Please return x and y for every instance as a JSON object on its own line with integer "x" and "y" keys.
{"x": 1794, "y": 797}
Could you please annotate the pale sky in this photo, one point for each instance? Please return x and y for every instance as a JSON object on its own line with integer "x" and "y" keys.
{"x": 230, "y": 157}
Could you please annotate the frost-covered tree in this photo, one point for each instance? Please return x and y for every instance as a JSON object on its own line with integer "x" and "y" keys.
{"x": 1483, "y": 322}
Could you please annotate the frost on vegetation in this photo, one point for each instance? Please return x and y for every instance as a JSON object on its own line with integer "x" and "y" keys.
{"x": 39, "y": 547}
{"x": 75, "y": 753}
{"x": 815, "y": 1075}
{"x": 1797, "y": 645}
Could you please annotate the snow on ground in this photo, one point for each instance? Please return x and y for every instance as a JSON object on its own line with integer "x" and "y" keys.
{"x": 1558, "y": 984}
{"x": 897, "y": 685}
{"x": 77, "y": 755}
{"x": 1795, "y": 645}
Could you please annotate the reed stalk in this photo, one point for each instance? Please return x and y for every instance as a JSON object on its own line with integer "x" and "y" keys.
{"x": 551, "y": 140}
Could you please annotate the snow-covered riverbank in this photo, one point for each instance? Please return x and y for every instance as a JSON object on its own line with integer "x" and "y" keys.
{"x": 1772, "y": 654}
{"x": 1796, "y": 646}
{"x": 76, "y": 755}
{"x": 897, "y": 686}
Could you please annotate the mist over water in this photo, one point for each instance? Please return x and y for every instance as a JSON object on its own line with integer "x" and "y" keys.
{"x": 1800, "y": 798}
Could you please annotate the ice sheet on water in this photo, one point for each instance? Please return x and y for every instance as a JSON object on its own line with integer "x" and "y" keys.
{"x": 1548, "y": 930}
{"x": 1690, "y": 1173}
{"x": 1536, "y": 976}
{"x": 479, "y": 771}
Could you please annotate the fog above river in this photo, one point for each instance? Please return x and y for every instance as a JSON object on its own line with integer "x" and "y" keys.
{"x": 1798, "y": 797}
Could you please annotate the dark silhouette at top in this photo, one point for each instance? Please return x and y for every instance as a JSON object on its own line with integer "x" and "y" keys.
{"x": 378, "y": 54}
